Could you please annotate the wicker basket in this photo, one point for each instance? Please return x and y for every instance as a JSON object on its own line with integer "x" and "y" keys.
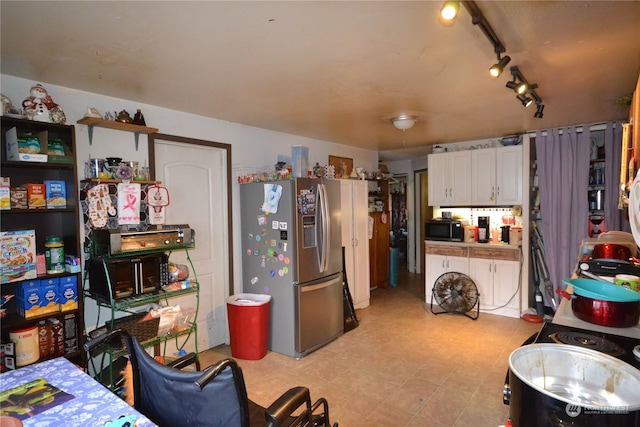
{"x": 142, "y": 331}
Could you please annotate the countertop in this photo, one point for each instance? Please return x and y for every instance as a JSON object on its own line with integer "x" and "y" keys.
{"x": 473, "y": 245}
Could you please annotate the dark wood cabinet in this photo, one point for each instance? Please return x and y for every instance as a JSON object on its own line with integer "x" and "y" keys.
{"x": 60, "y": 221}
{"x": 379, "y": 249}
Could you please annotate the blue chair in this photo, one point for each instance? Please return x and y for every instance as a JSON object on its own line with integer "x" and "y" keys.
{"x": 217, "y": 396}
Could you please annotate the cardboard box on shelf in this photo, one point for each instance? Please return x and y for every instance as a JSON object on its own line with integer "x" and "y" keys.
{"x": 68, "y": 293}
{"x": 22, "y": 148}
{"x": 56, "y": 194}
{"x": 5, "y": 193}
{"x": 19, "y": 198}
{"x": 36, "y": 196}
{"x": 29, "y": 299}
{"x": 50, "y": 299}
{"x": 17, "y": 255}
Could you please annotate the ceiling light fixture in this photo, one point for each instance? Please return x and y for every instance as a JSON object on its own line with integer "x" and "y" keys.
{"x": 538, "y": 114}
{"x": 526, "y": 101}
{"x": 450, "y": 10}
{"x": 404, "y": 121}
{"x": 498, "y": 67}
{"x": 517, "y": 87}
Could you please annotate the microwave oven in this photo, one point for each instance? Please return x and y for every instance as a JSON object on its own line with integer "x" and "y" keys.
{"x": 444, "y": 229}
{"x": 118, "y": 278}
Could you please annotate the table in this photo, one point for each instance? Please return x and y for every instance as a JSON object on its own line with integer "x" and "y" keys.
{"x": 92, "y": 404}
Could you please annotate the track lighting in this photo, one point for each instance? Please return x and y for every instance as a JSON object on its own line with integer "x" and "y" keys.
{"x": 498, "y": 67}
{"x": 450, "y": 10}
{"x": 526, "y": 101}
{"x": 517, "y": 87}
{"x": 538, "y": 114}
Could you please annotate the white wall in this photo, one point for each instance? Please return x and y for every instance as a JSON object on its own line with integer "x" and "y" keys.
{"x": 252, "y": 148}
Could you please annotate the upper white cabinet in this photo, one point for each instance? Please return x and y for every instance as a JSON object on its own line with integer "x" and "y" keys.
{"x": 483, "y": 177}
{"x": 450, "y": 178}
{"x": 355, "y": 238}
{"x": 509, "y": 175}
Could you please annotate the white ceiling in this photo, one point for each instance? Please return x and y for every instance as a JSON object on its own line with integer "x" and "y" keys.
{"x": 336, "y": 70}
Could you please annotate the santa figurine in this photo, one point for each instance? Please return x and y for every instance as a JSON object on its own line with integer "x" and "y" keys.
{"x": 40, "y": 107}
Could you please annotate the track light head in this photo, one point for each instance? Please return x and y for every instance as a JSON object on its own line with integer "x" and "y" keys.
{"x": 526, "y": 101}
{"x": 517, "y": 87}
{"x": 538, "y": 114}
{"x": 498, "y": 67}
{"x": 450, "y": 10}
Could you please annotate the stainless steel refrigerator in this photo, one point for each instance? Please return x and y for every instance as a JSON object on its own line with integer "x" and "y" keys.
{"x": 292, "y": 250}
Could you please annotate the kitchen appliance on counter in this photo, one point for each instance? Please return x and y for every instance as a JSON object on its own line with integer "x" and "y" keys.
{"x": 292, "y": 250}
{"x": 444, "y": 229}
{"x": 484, "y": 233}
{"x": 536, "y": 403}
{"x": 122, "y": 242}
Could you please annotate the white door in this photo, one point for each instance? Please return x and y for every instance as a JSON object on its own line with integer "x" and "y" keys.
{"x": 195, "y": 176}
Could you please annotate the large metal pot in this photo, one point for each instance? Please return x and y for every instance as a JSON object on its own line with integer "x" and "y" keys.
{"x": 564, "y": 385}
{"x": 606, "y": 313}
{"x": 611, "y": 251}
{"x": 603, "y": 303}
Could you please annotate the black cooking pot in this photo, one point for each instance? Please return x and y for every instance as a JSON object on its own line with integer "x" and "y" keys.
{"x": 553, "y": 385}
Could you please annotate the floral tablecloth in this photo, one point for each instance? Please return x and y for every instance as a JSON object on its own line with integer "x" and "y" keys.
{"x": 91, "y": 403}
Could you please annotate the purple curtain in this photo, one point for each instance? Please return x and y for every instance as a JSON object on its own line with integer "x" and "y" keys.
{"x": 615, "y": 219}
{"x": 563, "y": 177}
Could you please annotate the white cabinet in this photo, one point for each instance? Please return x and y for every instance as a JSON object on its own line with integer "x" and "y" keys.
{"x": 496, "y": 273}
{"x": 441, "y": 259}
{"x": 496, "y": 176}
{"x": 449, "y": 178}
{"x": 509, "y": 175}
{"x": 355, "y": 220}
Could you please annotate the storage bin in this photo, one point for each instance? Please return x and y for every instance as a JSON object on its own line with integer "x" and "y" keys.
{"x": 248, "y": 316}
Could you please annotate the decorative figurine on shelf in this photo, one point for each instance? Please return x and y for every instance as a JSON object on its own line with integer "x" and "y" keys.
{"x": 318, "y": 171}
{"x": 8, "y": 109}
{"x": 138, "y": 118}
{"x": 39, "y": 106}
{"x": 93, "y": 112}
{"x": 124, "y": 117}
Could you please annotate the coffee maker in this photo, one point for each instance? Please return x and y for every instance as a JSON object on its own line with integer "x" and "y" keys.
{"x": 483, "y": 229}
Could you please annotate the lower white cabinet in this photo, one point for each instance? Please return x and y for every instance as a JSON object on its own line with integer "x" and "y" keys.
{"x": 442, "y": 259}
{"x": 496, "y": 273}
{"x": 355, "y": 239}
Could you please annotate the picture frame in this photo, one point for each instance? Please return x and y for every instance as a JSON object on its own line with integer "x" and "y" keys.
{"x": 342, "y": 166}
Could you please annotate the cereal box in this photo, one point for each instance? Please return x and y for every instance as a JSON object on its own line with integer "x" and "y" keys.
{"x": 19, "y": 198}
{"x": 36, "y": 196}
{"x": 49, "y": 293}
{"x": 29, "y": 299}
{"x": 5, "y": 193}
{"x": 68, "y": 293}
{"x": 56, "y": 192}
{"x": 17, "y": 255}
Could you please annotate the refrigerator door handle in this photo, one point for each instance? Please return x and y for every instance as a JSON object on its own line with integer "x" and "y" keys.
{"x": 325, "y": 224}
{"x": 310, "y": 288}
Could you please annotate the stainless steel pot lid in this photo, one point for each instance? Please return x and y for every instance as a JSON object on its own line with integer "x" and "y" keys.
{"x": 577, "y": 375}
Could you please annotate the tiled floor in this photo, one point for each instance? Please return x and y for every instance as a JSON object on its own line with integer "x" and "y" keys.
{"x": 402, "y": 366}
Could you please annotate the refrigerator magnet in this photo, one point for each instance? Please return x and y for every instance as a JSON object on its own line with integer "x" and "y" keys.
{"x": 254, "y": 280}
{"x": 275, "y": 225}
{"x": 283, "y": 225}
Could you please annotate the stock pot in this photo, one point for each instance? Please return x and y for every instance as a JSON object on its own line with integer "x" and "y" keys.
{"x": 564, "y": 385}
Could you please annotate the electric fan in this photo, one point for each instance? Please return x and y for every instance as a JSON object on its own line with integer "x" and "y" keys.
{"x": 456, "y": 293}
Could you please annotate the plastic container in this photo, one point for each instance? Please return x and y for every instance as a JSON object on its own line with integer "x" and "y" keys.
{"x": 300, "y": 161}
{"x": 54, "y": 255}
{"x": 27, "y": 345}
{"x": 44, "y": 333}
{"x": 394, "y": 261}
{"x": 248, "y": 316}
{"x": 57, "y": 338}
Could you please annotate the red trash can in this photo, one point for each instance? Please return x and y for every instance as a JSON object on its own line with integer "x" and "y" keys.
{"x": 248, "y": 316}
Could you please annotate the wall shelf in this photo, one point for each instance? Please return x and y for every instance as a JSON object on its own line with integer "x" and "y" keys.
{"x": 111, "y": 124}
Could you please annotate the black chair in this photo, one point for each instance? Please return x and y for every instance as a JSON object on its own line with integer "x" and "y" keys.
{"x": 217, "y": 396}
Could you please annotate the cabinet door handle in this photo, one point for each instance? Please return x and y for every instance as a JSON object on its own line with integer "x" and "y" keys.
{"x": 498, "y": 191}
{"x": 443, "y": 264}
